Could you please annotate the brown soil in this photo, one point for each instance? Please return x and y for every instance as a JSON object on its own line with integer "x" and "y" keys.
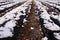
{"x": 26, "y": 33}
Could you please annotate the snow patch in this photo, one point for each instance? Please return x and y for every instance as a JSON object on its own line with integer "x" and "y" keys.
{"x": 32, "y": 28}
{"x": 57, "y": 35}
{"x": 45, "y": 38}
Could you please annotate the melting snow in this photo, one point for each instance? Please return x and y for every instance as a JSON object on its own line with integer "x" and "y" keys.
{"x": 57, "y": 35}
{"x": 57, "y": 16}
{"x": 32, "y": 28}
{"x": 47, "y": 22}
{"x": 11, "y": 17}
{"x": 53, "y": 5}
{"x": 51, "y": 26}
{"x": 45, "y": 38}
{"x": 24, "y": 20}
{"x": 5, "y": 32}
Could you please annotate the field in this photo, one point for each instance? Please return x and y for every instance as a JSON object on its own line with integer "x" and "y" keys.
{"x": 29, "y": 20}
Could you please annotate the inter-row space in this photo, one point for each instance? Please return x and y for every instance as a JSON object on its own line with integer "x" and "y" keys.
{"x": 13, "y": 19}
{"x": 50, "y": 23}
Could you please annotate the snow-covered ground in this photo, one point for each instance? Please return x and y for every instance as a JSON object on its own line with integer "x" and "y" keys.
{"x": 48, "y": 23}
{"x": 45, "y": 38}
{"x": 9, "y": 5}
{"x": 11, "y": 17}
{"x": 12, "y": 0}
{"x": 57, "y": 35}
{"x": 53, "y": 5}
{"x": 53, "y": 1}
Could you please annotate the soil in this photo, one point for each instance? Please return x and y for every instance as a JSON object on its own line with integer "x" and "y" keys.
{"x": 31, "y": 29}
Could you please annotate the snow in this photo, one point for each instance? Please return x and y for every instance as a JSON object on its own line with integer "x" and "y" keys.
{"x": 51, "y": 26}
{"x": 1, "y": 8}
{"x": 7, "y": 29}
{"x": 19, "y": 0}
{"x": 57, "y": 16}
{"x": 22, "y": 25}
{"x": 5, "y": 32}
{"x": 5, "y": 3}
{"x": 45, "y": 38}
{"x": 53, "y": 5}
{"x": 11, "y": 14}
{"x": 7, "y": 6}
{"x": 53, "y": 1}
{"x": 31, "y": 28}
{"x": 14, "y": 2}
{"x": 47, "y": 22}
{"x": 57, "y": 35}
{"x": 11, "y": 17}
{"x": 38, "y": 4}
{"x": 24, "y": 20}
{"x": 10, "y": 24}
{"x": 45, "y": 15}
